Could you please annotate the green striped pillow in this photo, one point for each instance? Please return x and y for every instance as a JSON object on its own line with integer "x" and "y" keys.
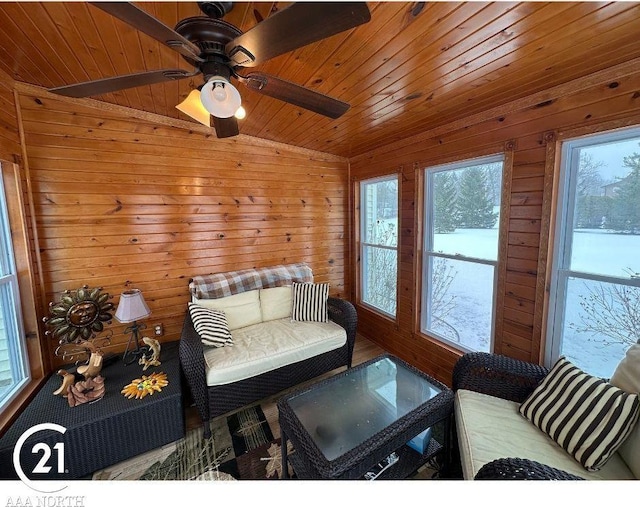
{"x": 588, "y": 417}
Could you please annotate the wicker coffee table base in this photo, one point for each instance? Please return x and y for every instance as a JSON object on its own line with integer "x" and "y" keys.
{"x": 409, "y": 462}
{"x": 309, "y": 461}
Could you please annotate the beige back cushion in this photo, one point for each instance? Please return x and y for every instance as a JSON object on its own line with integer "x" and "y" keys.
{"x": 241, "y": 310}
{"x": 627, "y": 378}
{"x": 275, "y": 303}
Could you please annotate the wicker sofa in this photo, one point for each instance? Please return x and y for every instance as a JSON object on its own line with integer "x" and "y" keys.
{"x": 496, "y": 442}
{"x": 263, "y": 360}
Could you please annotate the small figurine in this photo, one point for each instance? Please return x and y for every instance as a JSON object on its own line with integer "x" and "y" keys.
{"x": 67, "y": 381}
{"x": 85, "y": 391}
{"x": 153, "y": 359}
{"x": 93, "y": 367}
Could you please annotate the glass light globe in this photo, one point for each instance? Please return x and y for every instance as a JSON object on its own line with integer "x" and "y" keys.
{"x": 240, "y": 113}
{"x": 219, "y": 93}
{"x": 220, "y": 97}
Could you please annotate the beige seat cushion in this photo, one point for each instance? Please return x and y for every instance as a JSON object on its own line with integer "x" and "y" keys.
{"x": 269, "y": 345}
{"x": 242, "y": 309}
{"x": 627, "y": 378}
{"x": 490, "y": 428}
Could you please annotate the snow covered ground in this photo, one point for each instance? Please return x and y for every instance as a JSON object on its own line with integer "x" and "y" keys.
{"x": 592, "y": 250}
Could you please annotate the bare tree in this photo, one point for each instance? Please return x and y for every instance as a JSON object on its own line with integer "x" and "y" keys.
{"x": 590, "y": 179}
{"x": 611, "y": 310}
{"x": 442, "y": 303}
{"x": 383, "y": 267}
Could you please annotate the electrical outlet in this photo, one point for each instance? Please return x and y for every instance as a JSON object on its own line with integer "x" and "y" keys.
{"x": 158, "y": 330}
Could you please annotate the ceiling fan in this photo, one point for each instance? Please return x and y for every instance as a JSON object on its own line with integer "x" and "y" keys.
{"x": 219, "y": 51}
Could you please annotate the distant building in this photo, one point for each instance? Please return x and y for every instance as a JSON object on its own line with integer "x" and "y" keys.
{"x": 611, "y": 189}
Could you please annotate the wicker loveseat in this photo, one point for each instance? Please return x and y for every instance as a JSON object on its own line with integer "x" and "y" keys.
{"x": 262, "y": 360}
{"x": 496, "y": 442}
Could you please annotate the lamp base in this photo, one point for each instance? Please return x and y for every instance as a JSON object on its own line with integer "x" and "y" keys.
{"x": 134, "y": 351}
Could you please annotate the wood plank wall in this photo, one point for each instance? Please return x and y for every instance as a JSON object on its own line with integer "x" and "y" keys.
{"x": 122, "y": 201}
{"x": 527, "y": 126}
{"x": 9, "y": 136}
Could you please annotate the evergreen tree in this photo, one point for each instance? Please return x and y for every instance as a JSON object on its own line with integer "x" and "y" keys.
{"x": 475, "y": 206}
{"x": 591, "y": 210}
{"x": 494, "y": 180}
{"x": 445, "y": 209}
{"x": 626, "y": 203}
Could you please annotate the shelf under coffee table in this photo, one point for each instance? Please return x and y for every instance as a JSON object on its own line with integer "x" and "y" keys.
{"x": 342, "y": 426}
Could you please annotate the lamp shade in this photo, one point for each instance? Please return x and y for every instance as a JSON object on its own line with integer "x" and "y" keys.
{"x": 132, "y": 307}
{"x": 220, "y": 97}
{"x": 192, "y": 106}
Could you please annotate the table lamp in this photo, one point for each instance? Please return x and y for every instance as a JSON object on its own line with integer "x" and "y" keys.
{"x": 132, "y": 308}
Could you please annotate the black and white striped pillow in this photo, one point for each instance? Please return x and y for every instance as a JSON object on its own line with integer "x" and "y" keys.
{"x": 588, "y": 417}
{"x": 309, "y": 302}
{"x": 211, "y": 325}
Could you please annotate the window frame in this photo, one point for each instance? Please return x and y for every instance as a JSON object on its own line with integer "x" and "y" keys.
{"x": 563, "y": 219}
{"x": 362, "y": 244}
{"x": 427, "y": 252}
{"x": 19, "y": 356}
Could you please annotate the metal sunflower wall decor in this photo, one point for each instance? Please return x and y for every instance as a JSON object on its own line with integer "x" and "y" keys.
{"x": 77, "y": 319}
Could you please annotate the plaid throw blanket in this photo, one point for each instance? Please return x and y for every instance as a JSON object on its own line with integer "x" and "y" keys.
{"x": 220, "y": 285}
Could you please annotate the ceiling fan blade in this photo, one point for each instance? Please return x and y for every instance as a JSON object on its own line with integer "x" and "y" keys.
{"x": 226, "y": 127}
{"x": 146, "y": 23}
{"x": 295, "y": 94}
{"x": 298, "y": 25}
{"x": 117, "y": 83}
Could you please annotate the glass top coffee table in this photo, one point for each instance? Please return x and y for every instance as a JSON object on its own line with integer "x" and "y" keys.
{"x": 343, "y": 426}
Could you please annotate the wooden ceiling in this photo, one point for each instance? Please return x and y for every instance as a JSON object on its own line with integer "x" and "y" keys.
{"x": 413, "y": 67}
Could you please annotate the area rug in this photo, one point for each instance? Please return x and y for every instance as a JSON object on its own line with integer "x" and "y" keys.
{"x": 241, "y": 447}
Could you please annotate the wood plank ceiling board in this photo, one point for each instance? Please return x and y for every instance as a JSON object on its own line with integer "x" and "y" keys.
{"x": 390, "y": 71}
{"x": 447, "y": 81}
{"x": 66, "y": 36}
{"x": 414, "y": 67}
{"x": 343, "y": 70}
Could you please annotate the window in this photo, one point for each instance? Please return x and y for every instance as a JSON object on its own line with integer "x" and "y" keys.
{"x": 594, "y": 310}
{"x": 459, "y": 265}
{"x": 13, "y": 357}
{"x": 379, "y": 243}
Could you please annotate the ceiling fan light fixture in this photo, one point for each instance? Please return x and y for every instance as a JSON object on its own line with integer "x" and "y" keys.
{"x": 220, "y": 97}
{"x": 192, "y": 106}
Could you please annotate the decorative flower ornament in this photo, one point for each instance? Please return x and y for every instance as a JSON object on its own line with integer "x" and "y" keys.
{"x": 140, "y": 387}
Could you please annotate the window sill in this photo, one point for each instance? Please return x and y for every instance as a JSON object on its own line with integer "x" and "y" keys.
{"x": 13, "y": 409}
{"x": 373, "y": 311}
{"x": 439, "y": 343}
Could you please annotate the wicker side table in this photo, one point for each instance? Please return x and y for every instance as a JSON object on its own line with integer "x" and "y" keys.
{"x": 341, "y": 427}
{"x": 99, "y": 434}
